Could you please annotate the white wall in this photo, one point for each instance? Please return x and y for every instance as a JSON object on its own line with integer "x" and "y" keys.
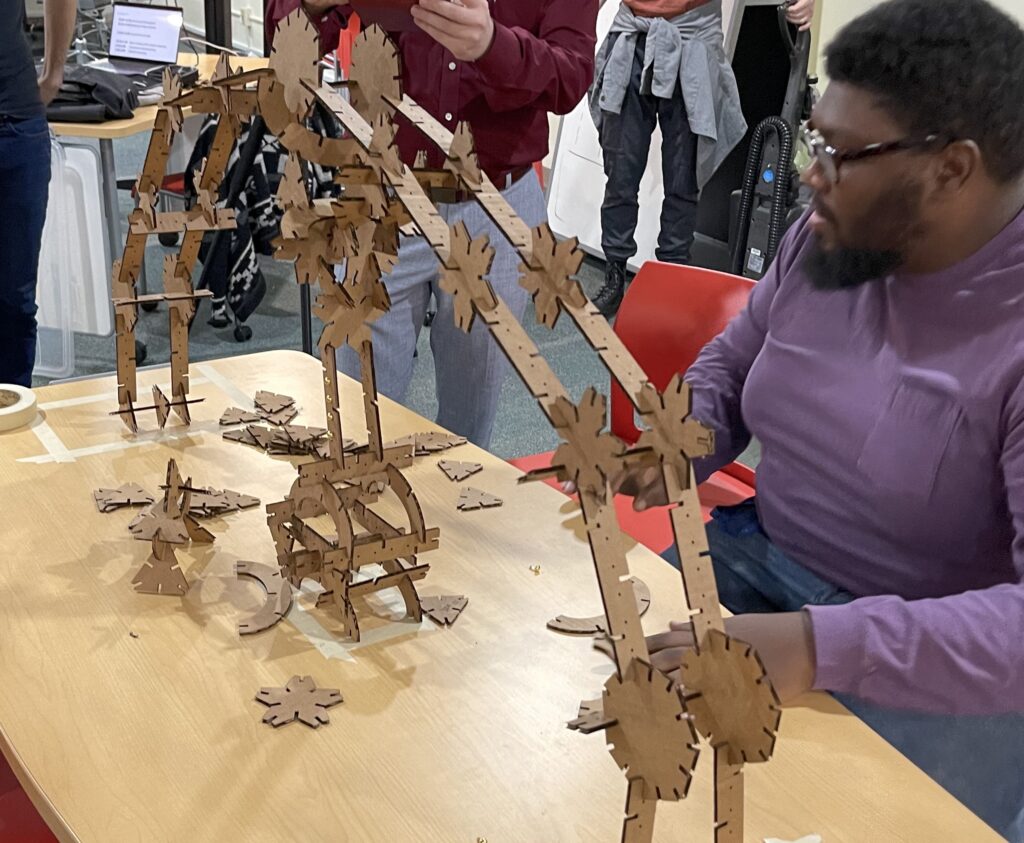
{"x": 246, "y": 23}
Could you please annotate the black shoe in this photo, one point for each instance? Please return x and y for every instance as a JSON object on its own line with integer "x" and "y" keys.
{"x": 609, "y": 297}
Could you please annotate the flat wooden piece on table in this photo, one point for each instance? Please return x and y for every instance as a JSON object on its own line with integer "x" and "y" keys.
{"x": 279, "y": 596}
{"x": 472, "y": 499}
{"x": 591, "y": 717}
{"x": 443, "y": 610}
{"x": 129, "y": 494}
{"x": 161, "y": 574}
{"x": 281, "y": 417}
{"x": 599, "y": 623}
{"x": 429, "y": 443}
{"x": 271, "y": 402}
{"x": 299, "y": 700}
{"x": 459, "y": 471}
{"x": 233, "y": 415}
{"x": 155, "y": 524}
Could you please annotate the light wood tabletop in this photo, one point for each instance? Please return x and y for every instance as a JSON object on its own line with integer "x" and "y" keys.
{"x": 145, "y": 116}
{"x": 131, "y": 717}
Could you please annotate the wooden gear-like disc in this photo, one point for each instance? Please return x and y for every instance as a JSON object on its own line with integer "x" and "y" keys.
{"x": 652, "y": 738}
{"x": 731, "y": 699}
{"x": 376, "y": 73}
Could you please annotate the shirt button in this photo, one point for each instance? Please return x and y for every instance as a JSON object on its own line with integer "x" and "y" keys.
{"x": 451, "y": 65}
{"x": 448, "y": 117}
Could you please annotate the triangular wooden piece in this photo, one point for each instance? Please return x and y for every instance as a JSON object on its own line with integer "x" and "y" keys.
{"x": 271, "y": 402}
{"x": 233, "y": 415}
{"x": 471, "y": 499}
{"x": 129, "y": 494}
{"x": 458, "y": 471}
{"x": 161, "y": 405}
{"x": 428, "y": 443}
{"x": 161, "y": 574}
{"x": 443, "y": 610}
{"x": 281, "y": 417}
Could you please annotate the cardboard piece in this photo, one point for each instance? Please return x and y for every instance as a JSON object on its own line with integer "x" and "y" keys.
{"x": 300, "y": 699}
{"x": 443, "y": 611}
{"x": 471, "y": 499}
{"x": 279, "y": 597}
{"x": 233, "y": 415}
{"x": 591, "y": 717}
{"x": 128, "y": 494}
{"x": 599, "y": 623}
{"x": 459, "y": 471}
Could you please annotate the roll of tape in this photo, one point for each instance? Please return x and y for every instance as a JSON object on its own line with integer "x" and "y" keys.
{"x": 17, "y": 406}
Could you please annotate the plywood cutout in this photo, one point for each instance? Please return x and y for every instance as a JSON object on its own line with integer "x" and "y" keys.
{"x": 459, "y": 471}
{"x": 599, "y": 623}
{"x": 300, "y": 699}
{"x": 279, "y": 597}
{"x": 128, "y": 494}
{"x": 443, "y": 611}
{"x": 471, "y": 499}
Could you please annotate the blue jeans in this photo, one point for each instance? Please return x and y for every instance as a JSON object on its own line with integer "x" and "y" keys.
{"x": 24, "y": 179}
{"x": 979, "y": 760}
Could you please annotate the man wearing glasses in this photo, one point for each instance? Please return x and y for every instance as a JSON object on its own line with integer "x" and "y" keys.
{"x": 880, "y": 363}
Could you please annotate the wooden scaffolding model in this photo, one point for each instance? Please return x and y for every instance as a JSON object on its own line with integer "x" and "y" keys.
{"x": 651, "y": 722}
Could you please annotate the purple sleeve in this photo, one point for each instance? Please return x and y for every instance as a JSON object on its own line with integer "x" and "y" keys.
{"x": 720, "y": 371}
{"x": 551, "y": 70}
{"x": 960, "y": 654}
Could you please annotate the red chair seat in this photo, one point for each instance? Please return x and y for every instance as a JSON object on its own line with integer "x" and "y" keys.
{"x": 19, "y": 820}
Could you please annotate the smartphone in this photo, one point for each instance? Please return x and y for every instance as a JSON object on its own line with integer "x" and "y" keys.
{"x": 392, "y": 15}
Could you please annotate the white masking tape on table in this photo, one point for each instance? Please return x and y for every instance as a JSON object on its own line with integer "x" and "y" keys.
{"x": 17, "y": 406}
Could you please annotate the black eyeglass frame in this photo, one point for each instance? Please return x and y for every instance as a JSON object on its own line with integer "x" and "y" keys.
{"x": 831, "y": 159}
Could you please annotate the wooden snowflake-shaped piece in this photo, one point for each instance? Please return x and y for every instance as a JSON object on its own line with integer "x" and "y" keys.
{"x": 465, "y": 277}
{"x": 672, "y": 433}
{"x": 300, "y": 700}
{"x": 588, "y": 467}
{"x": 462, "y": 158}
{"x": 550, "y": 280}
{"x": 130, "y": 494}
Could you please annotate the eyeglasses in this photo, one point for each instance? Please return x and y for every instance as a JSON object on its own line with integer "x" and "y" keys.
{"x": 830, "y": 159}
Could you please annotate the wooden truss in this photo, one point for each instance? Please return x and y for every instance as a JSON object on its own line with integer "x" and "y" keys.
{"x": 325, "y": 528}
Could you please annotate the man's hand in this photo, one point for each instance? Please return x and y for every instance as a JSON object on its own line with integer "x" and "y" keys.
{"x": 645, "y": 485}
{"x": 800, "y": 13}
{"x": 49, "y": 85}
{"x": 319, "y": 8}
{"x": 784, "y": 641}
{"x": 463, "y": 27}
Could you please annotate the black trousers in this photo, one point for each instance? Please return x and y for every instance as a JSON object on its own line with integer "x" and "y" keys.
{"x": 626, "y": 141}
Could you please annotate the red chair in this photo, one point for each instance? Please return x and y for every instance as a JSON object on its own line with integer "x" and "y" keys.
{"x": 669, "y": 313}
{"x": 19, "y": 820}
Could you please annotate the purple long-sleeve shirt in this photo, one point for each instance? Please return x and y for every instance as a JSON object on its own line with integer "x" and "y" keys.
{"x": 891, "y": 421}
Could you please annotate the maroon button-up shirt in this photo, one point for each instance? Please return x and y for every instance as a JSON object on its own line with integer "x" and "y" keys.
{"x": 541, "y": 60}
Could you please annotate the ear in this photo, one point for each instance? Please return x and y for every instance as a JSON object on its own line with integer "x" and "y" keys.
{"x": 955, "y": 166}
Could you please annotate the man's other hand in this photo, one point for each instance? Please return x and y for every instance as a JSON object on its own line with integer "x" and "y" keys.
{"x": 49, "y": 85}
{"x": 784, "y": 641}
{"x": 800, "y": 13}
{"x": 463, "y": 27}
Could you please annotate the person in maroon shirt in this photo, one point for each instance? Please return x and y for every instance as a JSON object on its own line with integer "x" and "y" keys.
{"x": 502, "y": 66}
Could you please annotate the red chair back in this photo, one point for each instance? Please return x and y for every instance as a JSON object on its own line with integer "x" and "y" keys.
{"x": 669, "y": 313}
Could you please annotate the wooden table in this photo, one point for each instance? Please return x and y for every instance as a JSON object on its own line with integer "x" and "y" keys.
{"x": 141, "y": 121}
{"x": 131, "y": 718}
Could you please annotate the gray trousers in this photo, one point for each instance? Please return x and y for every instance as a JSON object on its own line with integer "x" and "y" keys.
{"x": 469, "y": 368}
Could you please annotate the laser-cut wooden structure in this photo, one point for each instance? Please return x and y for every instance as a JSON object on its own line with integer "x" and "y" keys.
{"x": 648, "y": 719}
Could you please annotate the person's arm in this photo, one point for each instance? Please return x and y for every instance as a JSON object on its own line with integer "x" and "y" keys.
{"x": 329, "y": 17}
{"x": 960, "y": 654}
{"x": 720, "y": 371}
{"x": 551, "y": 70}
{"x": 58, "y": 27}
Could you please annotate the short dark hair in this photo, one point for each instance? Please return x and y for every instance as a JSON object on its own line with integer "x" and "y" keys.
{"x": 954, "y": 67}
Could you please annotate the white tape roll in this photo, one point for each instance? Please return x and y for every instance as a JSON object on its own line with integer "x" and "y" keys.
{"x": 17, "y": 406}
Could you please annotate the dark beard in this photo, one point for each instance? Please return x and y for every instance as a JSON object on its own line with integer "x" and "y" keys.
{"x": 841, "y": 268}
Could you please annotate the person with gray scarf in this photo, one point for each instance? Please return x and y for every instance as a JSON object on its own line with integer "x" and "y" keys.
{"x": 663, "y": 61}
